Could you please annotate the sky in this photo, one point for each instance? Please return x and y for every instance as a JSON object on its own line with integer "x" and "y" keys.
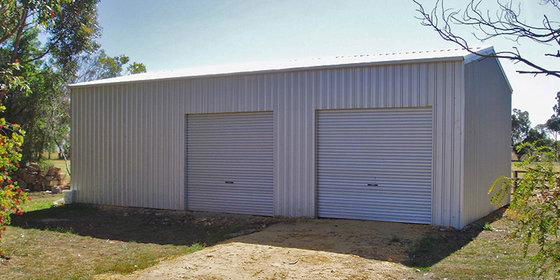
{"x": 177, "y": 34}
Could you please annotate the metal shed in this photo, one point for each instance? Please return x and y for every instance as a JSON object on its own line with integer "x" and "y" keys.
{"x": 412, "y": 137}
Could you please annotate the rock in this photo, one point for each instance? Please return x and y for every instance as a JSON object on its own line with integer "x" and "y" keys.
{"x": 59, "y": 202}
{"x": 57, "y": 189}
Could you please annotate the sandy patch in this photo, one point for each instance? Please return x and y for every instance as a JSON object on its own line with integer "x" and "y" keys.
{"x": 310, "y": 249}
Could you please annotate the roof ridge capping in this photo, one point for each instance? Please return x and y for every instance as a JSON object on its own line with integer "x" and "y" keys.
{"x": 303, "y": 64}
{"x": 483, "y": 51}
{"x": 472, "y": 57}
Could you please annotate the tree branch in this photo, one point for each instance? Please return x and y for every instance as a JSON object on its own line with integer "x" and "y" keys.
{"x": 21, "y": 25}
{"x": 43, "y": 54}
{"x": 506, "y": 24}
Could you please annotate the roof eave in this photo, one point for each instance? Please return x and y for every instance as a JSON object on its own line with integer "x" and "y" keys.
{"x": 288, "y": 69}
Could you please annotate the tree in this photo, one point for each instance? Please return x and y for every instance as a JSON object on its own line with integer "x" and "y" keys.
{"x": 553, "y": 124}
{"x": 69, "y": 28}
{"x": 535, "y": 202}
{"x": 136, "y": 68}
{"x": 98, "y": 65}
{"x": 33, "y": 109}
{"x": 520, "y": 126}
{"x": 69, "y": 25}
{"x": 523, "y": 133}
{"x": 42, "y": 112}
{"x": 506, "y": 22}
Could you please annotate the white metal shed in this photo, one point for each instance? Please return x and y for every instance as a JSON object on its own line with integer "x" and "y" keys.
{"x": 412, "y": 137}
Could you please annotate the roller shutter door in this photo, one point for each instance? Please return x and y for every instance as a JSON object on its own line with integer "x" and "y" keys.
{"x": 375, "y": 164}
{"x": 229, "y": 163}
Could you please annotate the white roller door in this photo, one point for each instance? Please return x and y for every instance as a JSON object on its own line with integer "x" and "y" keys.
{"x": 229, "y": 163}
{"x": 375, "y": 164}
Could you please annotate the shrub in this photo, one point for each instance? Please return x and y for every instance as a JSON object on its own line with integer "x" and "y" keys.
{"x": 535, "y": 204}
{"x": 11, "y": 196}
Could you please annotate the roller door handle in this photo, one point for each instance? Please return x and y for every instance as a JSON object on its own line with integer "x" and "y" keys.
{"x": 229, "y": 182}
{"x": 373, "y": 185}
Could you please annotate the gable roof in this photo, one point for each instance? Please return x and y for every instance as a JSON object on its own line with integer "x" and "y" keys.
{"x": 302, "y": 64}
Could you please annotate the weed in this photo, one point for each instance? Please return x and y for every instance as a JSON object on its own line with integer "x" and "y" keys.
{"x": 487, "y": 227}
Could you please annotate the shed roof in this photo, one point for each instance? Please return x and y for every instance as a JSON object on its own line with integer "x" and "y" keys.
{"x": 301, "y": 64}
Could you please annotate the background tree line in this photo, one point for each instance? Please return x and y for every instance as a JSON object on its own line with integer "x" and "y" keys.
{"x": 44, "y": 46}
{"x": 540, "y": 135}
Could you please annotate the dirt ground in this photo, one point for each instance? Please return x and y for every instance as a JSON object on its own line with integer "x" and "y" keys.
{"x": 119, "y": 242}
{"x": 308, "y": 249}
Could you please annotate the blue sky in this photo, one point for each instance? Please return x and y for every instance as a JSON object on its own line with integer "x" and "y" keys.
{"x": 176, "y": 34}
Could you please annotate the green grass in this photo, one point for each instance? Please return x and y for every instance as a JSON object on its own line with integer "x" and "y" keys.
{"x": 474, "y": 253}
{"x": 488, "y": 227}
{"x": 41, "y": 201}
{"x": 80, "y": 242}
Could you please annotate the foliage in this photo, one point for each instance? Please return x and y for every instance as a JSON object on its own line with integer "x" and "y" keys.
{"x": 67, "y": 49}
{"x": 73, "y": 33}
{"x": 10, "y": 82}
{"x": 136, "y": 68}
{"x": 11, "y": 140}
{"x": 522, "y": 133}
{"x": 39, "y": 69}
{"x": 535, "y": 202}
{"x": 11, "y": 196}
{"x": 99, "y": 65}
{"x": 553, "y": 124}
{"x": 17, "y": 14}
{"x": 487, "y": 227}
{"x": 68, "y": 25}
{"x": 520, "y": 126}
{"x": 42, "y": 112}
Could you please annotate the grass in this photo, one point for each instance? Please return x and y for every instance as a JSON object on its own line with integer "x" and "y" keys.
{"x": 487, "y": 227}
{"x": 485, "y": 250}
{"x": 41, "y": 201}
{"x": 80, "y": 242}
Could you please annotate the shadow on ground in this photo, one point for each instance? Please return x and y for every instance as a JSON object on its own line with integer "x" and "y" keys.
{"x": 408, "y": 244}
{"x": 142, "y": 225}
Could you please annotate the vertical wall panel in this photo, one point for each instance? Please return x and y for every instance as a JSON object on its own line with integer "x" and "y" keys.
{"x": 145, "y": 136}
{"x": 487, "y": 136}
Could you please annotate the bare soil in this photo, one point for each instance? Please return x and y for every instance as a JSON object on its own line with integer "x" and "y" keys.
{"x": 308, "y": 249}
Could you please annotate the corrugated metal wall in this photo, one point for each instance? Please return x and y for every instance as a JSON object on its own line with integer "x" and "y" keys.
{"x": 487, "y": 135}
{"x": 128, "y": 139}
